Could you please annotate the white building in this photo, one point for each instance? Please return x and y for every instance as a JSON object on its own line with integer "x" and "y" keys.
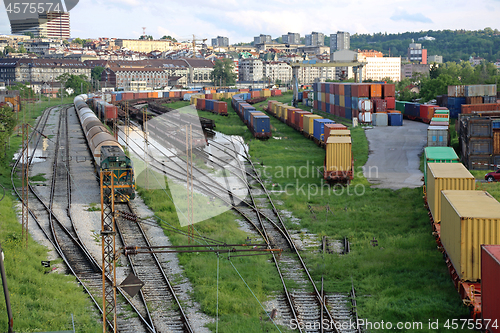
{"x": 251, "y": 70}
{"x": 378, "y": 68}
{"x": 278, "y": 70}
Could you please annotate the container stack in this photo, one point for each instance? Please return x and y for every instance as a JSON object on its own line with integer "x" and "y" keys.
{"x": 438, "y": 132}
{"x": 480, "y": 140}
{"x": 357, "y": 100}
{"x": 462, "y": 98}
{"x": 339, "y": 163}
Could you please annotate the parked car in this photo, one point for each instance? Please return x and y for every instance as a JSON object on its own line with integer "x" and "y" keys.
{"x": 493, "y": 176}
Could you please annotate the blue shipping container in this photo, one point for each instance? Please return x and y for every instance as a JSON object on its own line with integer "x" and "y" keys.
{"x": 348, "y": 113}
{"x": 347, "y": 90}
{"x": 248, "y": 114}
{"x": 354, "y": 103}
{"x": 301, "y": 96}
{"x": 455, "y": 105}
{"x": 319, "y": 128}
{"x": 337, "y": 100}
{"x": 395, "y": 119}
{"x": 347, "y": 101}
{"x": 412, "y": 109}
{"x": 261, "y": 124}
{"x": 495, "y": 124}
{"x": 209, "y": 104}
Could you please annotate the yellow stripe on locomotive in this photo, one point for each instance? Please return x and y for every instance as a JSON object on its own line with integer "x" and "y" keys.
{"x": 114, "y": 159}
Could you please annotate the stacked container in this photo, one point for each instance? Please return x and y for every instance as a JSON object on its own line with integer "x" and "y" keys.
{"x": 490, "y": 293}
{"x": 438, "y": 155}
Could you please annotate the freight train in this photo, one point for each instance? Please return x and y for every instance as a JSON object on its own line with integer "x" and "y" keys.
{"x": 107, "y": 152}
{"x": 256, "y": 121}
{"x": 463, "y": 220}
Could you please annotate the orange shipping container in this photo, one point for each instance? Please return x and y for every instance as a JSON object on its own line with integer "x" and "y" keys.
{"x": 341, "y": 89}
{"x": 496, "y": 142}
{"x": 427, "y": 112}
{"x": 375, "y": 90}
{"x": 468, "y": 108}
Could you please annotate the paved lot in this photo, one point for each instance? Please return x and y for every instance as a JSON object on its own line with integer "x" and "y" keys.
{"x": 394, "y": 157}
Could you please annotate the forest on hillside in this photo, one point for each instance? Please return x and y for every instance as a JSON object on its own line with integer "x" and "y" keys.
{"x": 453, "y": 45}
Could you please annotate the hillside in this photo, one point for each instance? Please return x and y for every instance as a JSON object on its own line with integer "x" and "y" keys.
{"x": 452, "y": 45}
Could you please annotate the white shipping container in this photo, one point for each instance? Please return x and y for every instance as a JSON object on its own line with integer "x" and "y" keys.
{"x": 437, "y": 136}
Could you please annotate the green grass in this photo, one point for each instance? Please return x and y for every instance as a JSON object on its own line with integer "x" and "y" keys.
{"x": 176, "y": 105}
{"x": 41, "y": 300}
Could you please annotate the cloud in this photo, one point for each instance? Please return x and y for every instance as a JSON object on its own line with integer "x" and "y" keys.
{"x": 403, "y": 15}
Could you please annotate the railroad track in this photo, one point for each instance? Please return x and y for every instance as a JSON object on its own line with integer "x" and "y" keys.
{"x": 55, "y": 222}
{"x": 303, "y": 300}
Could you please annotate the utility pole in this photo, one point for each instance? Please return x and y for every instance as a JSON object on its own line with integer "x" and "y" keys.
{"x": 108, "y": 234}
{"x": 25, "y": 183}
{"x": 145, "y": 129}
{"x": 190, "y": 185}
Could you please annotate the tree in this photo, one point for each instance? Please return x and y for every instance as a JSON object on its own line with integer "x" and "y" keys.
{"x": 96, "y": 73}
{"x": 7, "y": 124}
{"x": 170, "y": 38}
{"x": 8, "y": 49}
{"x": 146, "y": 37}
{"x": 24, "y": 90}
{"x": 22, "y": 49}
{"x": 79, "y": 83}
{"x": 222, "y": 73}
{"x": 28, "y": 33}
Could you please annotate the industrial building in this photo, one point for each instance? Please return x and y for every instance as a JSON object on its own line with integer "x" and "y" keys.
{"x": 132, "y": 78}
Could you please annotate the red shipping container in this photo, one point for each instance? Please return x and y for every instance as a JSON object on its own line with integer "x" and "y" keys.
{"x": 143, "y": 95}
{"x": 177, "y": 94}
{"x": 336, "y": 89}
{"x": 379, "y": 105}
{"x": 468, "y": 108}
{"x": 330, "y": 88}
{"x": 305, "y": 94}
{"x": 315, "y": 105}
{"x": 323, "y": 107}
{"x": 208, "y": 96}
{"x": 299, "y": 119}
{"x": 332, "y": 109}
{"x": 111, "y": 112}
{"x": 244, "y": 90}
{"x": 200, "y": 104}
{"x": 490, "y": 291}
{"x": 363, "y": 90}
{"x": 255, "y": 94}
{"x": 391, "y": 103}
{"x": 427, "y": 112}
{"x": 388, "y": 90}
{"x": 327, "y": 98}
{"x": 270, "y": 104}
{"x": 354, "y": 113}
{"x": 333, "y": 127}
{"x": 342, "y": 111}
{"x": 375, "y": 91}
{"x": 289, "y": 116}
{"x": 278, "y": 92}
{"x": 113, "y": 98}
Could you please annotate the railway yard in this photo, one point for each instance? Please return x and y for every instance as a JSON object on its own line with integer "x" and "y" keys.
{"x": 363, "y": 251}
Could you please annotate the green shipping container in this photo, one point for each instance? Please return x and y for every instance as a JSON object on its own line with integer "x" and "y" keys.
{"x": 400, "y": 106}
{"x": 438, "y": 155}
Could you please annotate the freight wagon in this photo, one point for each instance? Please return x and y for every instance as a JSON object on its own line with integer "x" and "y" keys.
{"x": 259, "y": 124}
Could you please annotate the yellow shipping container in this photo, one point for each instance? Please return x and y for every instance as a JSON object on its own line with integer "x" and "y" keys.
{"x": 469, "y": 219}
{"x": 340, "y": 133}
{"x": 281, "y": 110}
{"x": 277, "y": 108}
{"x": 308, "y": 122}
{"x": 266, "y": 93}
{"x": 338, "y": 153}
{"x": 342, "y": 100}
{"x": 446, "y": 176}
{"x": 285, "y": 111}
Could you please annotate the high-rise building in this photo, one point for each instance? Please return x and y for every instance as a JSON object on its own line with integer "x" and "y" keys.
{"x": 315, "y": 39}
{"x": 417, "y": 54}
{"x": 291, "y": 38}
{"x": 339, "y": 41}
{"x": 262, "y": 39}
{"x": 220, "y": 41}
{"x": 49, "y": 24}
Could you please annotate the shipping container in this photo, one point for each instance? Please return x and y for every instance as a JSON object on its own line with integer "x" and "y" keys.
{"x": 412, "y": 110}
{"x": 427, "y": 112}
{"x": 479, "y": 127}
{"x": 375, "y": 90}
{"x": 480, "y": 146}
{"x": 400, "y": 106}
{"x": 380, "y": 119}
{"x": 338, "y": 154}
{"x": 253, "y": 115}
{"x": 390, "y": 102}
{"x": 490, "y": 291}
{"x": 469, "y": 219}
{"x": 299, "y": 119}
{"x": 496, "y": 142}
{"x": 455, "y": 105}
{"x": 319, "y": 128}
{"x": 438, "y": 155}
{"x": 348, "y": 113}
{"x": 438, "y": 136}
{"x": 446, "y": 176}
{"x": 365, "y": 105}
{"x": 474, "y": 90}
{"x": 388, "y": 90}
{"x": 361, "y": 90}
{"x": 456, "y": 91}
{"x": 479, "y": 162}
{"x": 333, "y": 127}
{"x": 395, "y": 118}
{"x": 308, "y": 123}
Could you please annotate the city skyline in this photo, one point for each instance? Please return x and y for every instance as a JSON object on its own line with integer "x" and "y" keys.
{"x": 241, "y": 21}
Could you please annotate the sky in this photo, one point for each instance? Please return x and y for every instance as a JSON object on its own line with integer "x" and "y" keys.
{"x": 243, "y": 19}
